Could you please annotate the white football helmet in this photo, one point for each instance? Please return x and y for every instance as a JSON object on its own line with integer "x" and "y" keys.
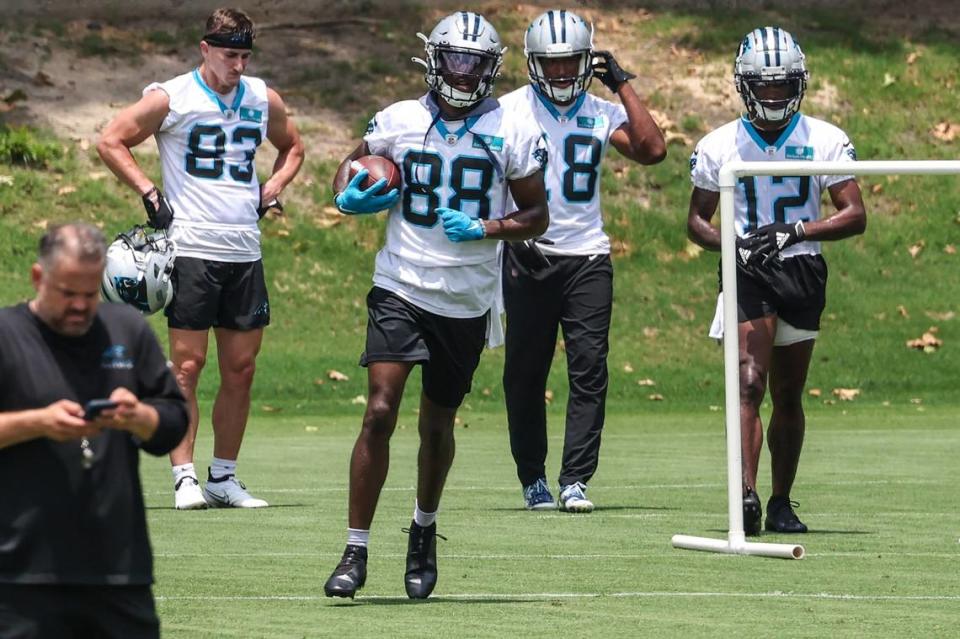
{"x": 770, "y": 55}
{"x": 559, "y": 34}
{"x": 138, "y": 270}
{"x": 462, "y": 49}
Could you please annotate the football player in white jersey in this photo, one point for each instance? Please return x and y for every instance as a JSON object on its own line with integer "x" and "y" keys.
{"x": 435, "y": 278}
{"x": 208, "y": 124}
{"x": 565, "y": 279}
{"x": 781, "y": 276}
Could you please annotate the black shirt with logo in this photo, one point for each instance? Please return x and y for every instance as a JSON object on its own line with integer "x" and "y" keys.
{"x": 64, "y": 521}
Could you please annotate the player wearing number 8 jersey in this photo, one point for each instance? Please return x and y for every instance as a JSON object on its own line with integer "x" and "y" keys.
{"x": 566, "y": 280}
{"x": 208, "y": 124}
{"x": 781, "y": 276}
{"x": 435, "y": 278}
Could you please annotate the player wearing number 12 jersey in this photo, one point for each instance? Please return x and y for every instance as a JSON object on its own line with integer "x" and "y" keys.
{"x": 781, "y": 276}
{"x": 436, "y": 276}
{"x": 565, "y": 280}
{"x": 208, "y": 124}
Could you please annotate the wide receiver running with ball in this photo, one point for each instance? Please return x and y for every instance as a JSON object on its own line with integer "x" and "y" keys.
{"x": 435, "y": 279}
{"x": 781, "y": 275}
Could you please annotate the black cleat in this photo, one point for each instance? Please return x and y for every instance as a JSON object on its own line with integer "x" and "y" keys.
{"x": 781, "y": 518}
{"x": 751, "y": 513}
{"x": 421, "y": 575}
{"x": 349, "y": 575}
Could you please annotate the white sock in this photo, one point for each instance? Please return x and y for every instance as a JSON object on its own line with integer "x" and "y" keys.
{"x": 181, "y": 471}
{"x": 421, "y": 518}
{"x": 358, "y": 537}
{"x": 220, "y": 468}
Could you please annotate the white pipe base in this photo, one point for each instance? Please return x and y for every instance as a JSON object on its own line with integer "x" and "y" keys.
{"x": 737, "y": 547}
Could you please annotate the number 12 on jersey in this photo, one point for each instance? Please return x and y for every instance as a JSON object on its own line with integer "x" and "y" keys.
{"x": 780, "y": 204}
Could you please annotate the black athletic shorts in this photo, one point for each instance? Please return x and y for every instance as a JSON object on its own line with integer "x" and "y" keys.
{"x": 449, "y": 348}
{"x": 794, "y": 290}
{"x": 218, "y": 294}
{"x": 41, "y": 611}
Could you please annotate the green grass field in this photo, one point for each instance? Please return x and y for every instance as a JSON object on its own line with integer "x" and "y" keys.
{"x": 882, "y": 554}
{"x": 876, "y": 478}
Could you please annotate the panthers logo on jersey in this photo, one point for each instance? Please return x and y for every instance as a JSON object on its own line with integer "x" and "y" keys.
{"x": 849, "y": 150}
{"x": 540, "y": 155}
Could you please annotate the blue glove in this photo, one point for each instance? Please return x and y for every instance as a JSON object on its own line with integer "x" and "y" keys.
{"x": 354, "y": 200}
{"x": 459, "y": 226}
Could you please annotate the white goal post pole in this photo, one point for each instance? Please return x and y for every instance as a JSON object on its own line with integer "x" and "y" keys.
{"x": 729, "y": 174}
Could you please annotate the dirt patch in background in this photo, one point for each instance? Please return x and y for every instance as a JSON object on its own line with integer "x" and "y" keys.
{"x": 76, "y": 64}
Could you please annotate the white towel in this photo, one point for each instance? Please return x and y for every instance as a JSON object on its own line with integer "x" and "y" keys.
{"x": 495, "y": 333}
{"x": 716, "y": 327}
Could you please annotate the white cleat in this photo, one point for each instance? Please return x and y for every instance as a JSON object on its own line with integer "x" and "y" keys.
{"x": 229, "y": 492}
{"x": 574, "y": 500}
{"x": 187, "y": 494}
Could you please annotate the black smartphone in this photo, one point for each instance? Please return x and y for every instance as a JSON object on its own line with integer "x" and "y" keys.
{"x": 94, "y": 407}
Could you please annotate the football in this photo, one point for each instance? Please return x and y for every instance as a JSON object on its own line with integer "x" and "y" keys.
{"x": 378, "y": 167}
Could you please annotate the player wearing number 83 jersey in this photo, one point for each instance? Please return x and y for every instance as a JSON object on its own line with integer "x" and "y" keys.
{"x": 207, "y": 147}
{"x": 208, "y": 124}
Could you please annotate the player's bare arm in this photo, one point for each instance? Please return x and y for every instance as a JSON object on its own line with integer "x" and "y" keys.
{"x": 532, "y": 215}
{"x": 703, "y": 205}
{"x": 129, "y": 128}
{"x": 283, "y": 134}
{"x": 850, "y": 218}
{"x": 639, "y": 139}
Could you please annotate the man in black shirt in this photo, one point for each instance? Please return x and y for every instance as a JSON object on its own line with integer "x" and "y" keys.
{"x": 75, "y": 560}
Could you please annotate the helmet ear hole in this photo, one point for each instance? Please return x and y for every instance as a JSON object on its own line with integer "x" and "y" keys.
{"x": 138, "y": 270}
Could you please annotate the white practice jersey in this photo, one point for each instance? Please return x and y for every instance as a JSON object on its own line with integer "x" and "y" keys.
{"x": 207, "y": 150}
{"x": 464, "y": 165}
{"x": 576, "y": 142}
{"x": 762, "y": 200}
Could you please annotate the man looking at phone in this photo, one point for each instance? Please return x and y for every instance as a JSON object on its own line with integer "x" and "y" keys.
{"x": 83, "y": 388}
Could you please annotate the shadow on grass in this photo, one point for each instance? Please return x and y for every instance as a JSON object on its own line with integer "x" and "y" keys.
{"x": 607, "y": 508}
{"x": 778, "y": 538}
{"x": 270, "y": 507}
{"x": 437, "y": 599}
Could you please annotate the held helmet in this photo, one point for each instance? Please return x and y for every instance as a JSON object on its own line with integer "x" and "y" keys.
{"x": 559, "y": 34}
{"x": 462, "y": 49}
{"x": 770, "y": 56}
{"x": 138, "y": 270}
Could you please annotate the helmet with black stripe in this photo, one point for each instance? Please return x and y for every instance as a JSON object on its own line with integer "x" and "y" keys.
{"x": 463, "y": 58}
{"x": 770, "y": 62}
{"x": 138, "y": 270}
{"x": 555, "y": 35}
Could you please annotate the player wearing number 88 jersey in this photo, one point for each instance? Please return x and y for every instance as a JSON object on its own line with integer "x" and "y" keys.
{"x": 570, "y": 285}
{"x": 465, "y": 164}
{"x": 436, "y": 276}
{"x": 208, "y": 124}
{"x": 781, "y": 276}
